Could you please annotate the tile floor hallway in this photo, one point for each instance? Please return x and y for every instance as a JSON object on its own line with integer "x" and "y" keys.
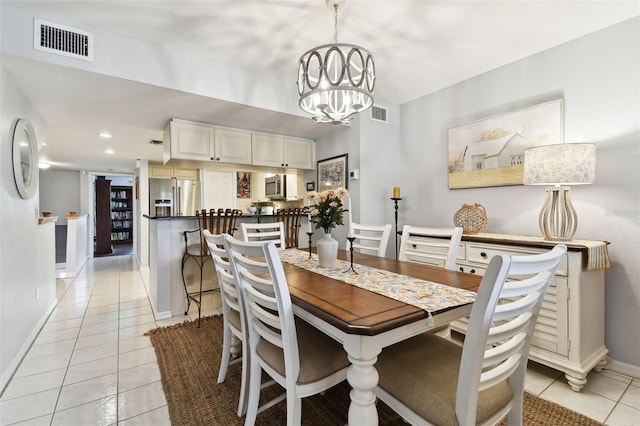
{"x": 92, "y": 365}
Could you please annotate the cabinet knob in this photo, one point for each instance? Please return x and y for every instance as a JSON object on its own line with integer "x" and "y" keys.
{"x": 461, "y": 269}
{"x": 483, "y": 254}
{"x": 282, "y": 164}
{"x": 213, "y": 158}
{"x": 217, "y": 158}
{"x": 473, "y": 271}
{"x": 287, "y": 165}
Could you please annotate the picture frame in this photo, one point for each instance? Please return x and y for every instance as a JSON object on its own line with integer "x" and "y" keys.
{"x": 243, "y": 185}
{"x": 490, "y": 152}
{"x": 311, "y": 186}
{"x": 332, "y": 172}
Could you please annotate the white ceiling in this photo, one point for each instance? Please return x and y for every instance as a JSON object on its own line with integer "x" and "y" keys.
{"x": 420, "y": 46}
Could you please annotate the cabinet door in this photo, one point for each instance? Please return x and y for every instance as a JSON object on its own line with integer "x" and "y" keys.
{"x": 232, "y": 146}
{"x": 267, "y": 150}
{"x": 190, "y": 174}
{"x": 192, "y": 142}
{"x": 298, "y": 154}
{"x": 160, "y": 172}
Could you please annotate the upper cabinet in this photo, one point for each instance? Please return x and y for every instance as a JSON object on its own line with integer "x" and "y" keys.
{"x": 187, "y": 140}
{"x": 164, "y": 172}
{"x": 275, "y": 151}
{"x": 191, "y": 141}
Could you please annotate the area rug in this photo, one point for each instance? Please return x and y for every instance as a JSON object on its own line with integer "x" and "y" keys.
{"x": 189, "y": 359}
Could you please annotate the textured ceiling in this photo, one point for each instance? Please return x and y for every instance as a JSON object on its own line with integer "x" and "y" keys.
{"x": 419, "y": 47}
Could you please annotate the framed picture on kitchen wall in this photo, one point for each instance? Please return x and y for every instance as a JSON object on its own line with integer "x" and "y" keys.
{"x": 332, "y": 172}
{"x": 490, "y": 152}
{"x": 244, "y": 185}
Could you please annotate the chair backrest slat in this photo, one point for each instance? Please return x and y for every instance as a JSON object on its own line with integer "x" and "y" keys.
{"x": 371, "y": 239}
{"x": 421, "y": 244}
{"x": 252, "y": 232}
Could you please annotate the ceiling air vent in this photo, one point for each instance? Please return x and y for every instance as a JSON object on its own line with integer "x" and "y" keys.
{"x": 379, "y": 114}
{"x": 62, "y": 40}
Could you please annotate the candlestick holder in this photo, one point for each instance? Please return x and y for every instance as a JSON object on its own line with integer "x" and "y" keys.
{"x": 310, "y": 234}
{"x": 351, "y": 240}
{"x": 395, "y": 200}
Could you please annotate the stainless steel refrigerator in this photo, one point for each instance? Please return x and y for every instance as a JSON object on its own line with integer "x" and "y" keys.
{"x": 174, "y": 197}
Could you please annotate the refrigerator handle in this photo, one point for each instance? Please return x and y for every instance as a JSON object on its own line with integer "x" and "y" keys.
{"x": 180, "y": 200}
{"x": 175, "y": 205}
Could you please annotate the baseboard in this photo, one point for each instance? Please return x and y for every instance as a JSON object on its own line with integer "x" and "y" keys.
{"x": 624, "y": 368}
{"x": 163, "y": 315}
{"x": 13, "y": 367}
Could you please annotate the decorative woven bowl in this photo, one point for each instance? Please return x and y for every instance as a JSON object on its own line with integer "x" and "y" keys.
{"x": 472, "y": 218}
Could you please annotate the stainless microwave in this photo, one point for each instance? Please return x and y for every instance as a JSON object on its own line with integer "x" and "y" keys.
{"x": 275, "y": 187}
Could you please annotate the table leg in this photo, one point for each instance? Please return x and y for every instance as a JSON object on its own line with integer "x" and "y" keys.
{"x": 363, "y": 378}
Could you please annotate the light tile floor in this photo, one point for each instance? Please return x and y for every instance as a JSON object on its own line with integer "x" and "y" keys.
{"x": 92, "y": 365}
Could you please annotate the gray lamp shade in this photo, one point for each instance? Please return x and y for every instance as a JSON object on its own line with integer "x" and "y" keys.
{"x": 562, "y": 164}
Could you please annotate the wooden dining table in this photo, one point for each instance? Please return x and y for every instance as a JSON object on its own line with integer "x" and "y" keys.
{"x": 365, "y": 322}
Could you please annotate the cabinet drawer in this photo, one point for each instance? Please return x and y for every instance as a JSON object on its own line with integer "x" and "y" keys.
{"x": 483, "y": 254}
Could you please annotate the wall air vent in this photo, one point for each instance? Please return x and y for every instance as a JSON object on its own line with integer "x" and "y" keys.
{"x": 155, "y": 142}
{"x": 62, "y": 40}
{"x": 379, "y": 114}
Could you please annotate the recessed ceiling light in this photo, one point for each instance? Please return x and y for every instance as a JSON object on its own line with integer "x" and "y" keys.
{"x": 44, "y": 165}
{"x": 108, "y": 151}
{"x": 104, "y": 135}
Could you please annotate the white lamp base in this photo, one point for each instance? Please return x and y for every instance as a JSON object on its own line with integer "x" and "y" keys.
{"x": 558, "y": 220}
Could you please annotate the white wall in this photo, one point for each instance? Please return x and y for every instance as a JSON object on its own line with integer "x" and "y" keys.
{"x": 60, "y": 192}
{"x": 599, "y": 78}
{"x": 27, "y": 250}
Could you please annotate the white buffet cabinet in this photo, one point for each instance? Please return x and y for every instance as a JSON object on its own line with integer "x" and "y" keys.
{"x": 569, "y": 333}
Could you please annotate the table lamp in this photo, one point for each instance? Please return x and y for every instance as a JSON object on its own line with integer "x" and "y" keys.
{"x": 559, "y": 165}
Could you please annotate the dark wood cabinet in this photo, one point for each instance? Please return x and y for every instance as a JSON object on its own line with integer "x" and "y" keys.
{"x": 103, "y": 216}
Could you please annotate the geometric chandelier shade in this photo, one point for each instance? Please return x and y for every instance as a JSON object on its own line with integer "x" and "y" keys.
{"x": 336, "y": 81}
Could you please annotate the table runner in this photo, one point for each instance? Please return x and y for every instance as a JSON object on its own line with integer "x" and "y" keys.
{"x": 429, "y": 296}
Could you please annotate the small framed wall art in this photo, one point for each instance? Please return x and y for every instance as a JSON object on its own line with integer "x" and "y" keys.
{"x": 332, "y": 172}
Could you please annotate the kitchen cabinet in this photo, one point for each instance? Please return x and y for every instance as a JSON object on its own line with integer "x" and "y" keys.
{"x": 569, "y": 332}
{"x": 275, "y": 151}
{"x": 121, "y": 214}
{"x": 165, "y": 172}
{"x": 193, "y": 141}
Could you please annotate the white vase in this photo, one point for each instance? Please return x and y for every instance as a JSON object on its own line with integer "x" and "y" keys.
{"x": 327, "y": 251}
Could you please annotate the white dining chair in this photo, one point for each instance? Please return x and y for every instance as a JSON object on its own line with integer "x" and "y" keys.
{"x": 303, "y": 360}
{"x": 431, "y": 380}
{"x": 235, "y": 340}
{"x": 371, "y": 239}
{"x": 264, "y": 232}
{"x": 421, "y": 244}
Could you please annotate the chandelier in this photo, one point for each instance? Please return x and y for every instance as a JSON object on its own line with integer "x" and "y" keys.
{"x": 336, "y": 81}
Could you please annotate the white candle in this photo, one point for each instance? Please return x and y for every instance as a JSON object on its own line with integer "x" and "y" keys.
{"x": 309, "y": 223}
{"x": 349, "y": 218}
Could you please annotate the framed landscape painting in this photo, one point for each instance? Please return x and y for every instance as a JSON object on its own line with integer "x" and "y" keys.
{"x": 490, "y": 152}
{"x": 332, "y": 172}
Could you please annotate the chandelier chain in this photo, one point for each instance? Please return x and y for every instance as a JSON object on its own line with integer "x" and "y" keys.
{"x": 335, "y": 23}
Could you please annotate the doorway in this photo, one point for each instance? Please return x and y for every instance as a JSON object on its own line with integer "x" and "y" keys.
{"x": 113, "y": 215}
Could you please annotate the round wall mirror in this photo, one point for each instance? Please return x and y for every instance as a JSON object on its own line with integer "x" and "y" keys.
{"x": 25, "y": 158}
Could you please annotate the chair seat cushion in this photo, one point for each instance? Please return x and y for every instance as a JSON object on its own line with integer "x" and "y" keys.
{"x": 234, "y": 319}
{"x": 422, "y": 373}
{"x": 320, "y": 355}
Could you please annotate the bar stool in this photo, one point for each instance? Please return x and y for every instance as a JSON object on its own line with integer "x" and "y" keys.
{"x": 196, "y": 250}
{"x": 291, "y": 220}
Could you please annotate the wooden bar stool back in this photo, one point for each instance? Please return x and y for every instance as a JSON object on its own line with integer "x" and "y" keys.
{"x": 291, "y": 220}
